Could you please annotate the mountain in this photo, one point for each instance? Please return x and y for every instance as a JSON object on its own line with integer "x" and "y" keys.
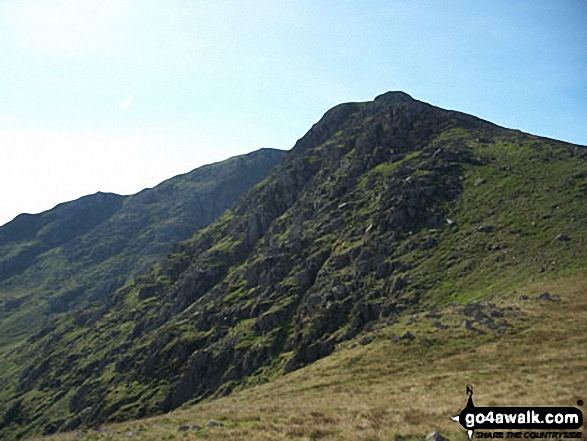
{"x": 382, "y": 210}
{"x": 64, "y": 259}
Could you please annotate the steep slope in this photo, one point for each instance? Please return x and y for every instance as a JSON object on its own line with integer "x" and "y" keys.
{"x": 383, "y": 209}
{"x": 61, "y": 260}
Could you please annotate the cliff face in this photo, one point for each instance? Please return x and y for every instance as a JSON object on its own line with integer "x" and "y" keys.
{"x": 382, "y": 208}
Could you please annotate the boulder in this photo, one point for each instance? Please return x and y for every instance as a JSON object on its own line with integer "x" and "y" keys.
{"x": 435, "y": 436}
{"x": 408, "y": 336}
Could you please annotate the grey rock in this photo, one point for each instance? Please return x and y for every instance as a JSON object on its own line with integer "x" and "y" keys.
{"x": 214, "y": 423}
{"x": 563, "y": 238}
{"x": 549, "y": 297}
{"x": 399, "y": 284}
{"x": 408, "y": 336}
{"x": 366, "y": 340}
{"x": 485, "y": 228}
{"x": 496, "y": 313}
{"x": 435, "y": 436}
{"x": 475, "y": 311}
{"x": 467, "y": 325}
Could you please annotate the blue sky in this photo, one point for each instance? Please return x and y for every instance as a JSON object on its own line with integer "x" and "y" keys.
{"x": 118, "y": 95}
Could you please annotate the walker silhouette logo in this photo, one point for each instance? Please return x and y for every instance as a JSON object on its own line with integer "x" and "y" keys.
{"x": 522, "y": 418}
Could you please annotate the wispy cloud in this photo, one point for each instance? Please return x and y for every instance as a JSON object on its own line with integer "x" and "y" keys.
{"x": 126, "y": 103}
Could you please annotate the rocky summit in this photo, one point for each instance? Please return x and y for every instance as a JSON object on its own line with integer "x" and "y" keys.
{"x": 383, "y": 210}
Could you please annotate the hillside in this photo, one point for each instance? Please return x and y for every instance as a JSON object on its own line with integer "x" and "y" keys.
{"x": 380, "y": 386}
{"x": 382, "y": 210}
{"x": 58, "y": 262}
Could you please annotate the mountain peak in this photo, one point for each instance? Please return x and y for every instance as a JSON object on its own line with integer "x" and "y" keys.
{"x": 395, "y": 97}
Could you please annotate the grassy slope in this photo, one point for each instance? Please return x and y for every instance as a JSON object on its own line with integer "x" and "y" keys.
{"x": 528, "y": 190}
{"x": 383, "y": 389}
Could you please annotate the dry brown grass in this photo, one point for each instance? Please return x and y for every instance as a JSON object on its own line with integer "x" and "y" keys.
{"x": 384, "y": 390}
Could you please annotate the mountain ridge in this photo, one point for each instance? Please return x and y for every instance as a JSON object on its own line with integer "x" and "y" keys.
{"x": 77, "y": 252}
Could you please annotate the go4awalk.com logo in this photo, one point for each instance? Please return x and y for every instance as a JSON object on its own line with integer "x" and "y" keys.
{"x": 545, "y": 422}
